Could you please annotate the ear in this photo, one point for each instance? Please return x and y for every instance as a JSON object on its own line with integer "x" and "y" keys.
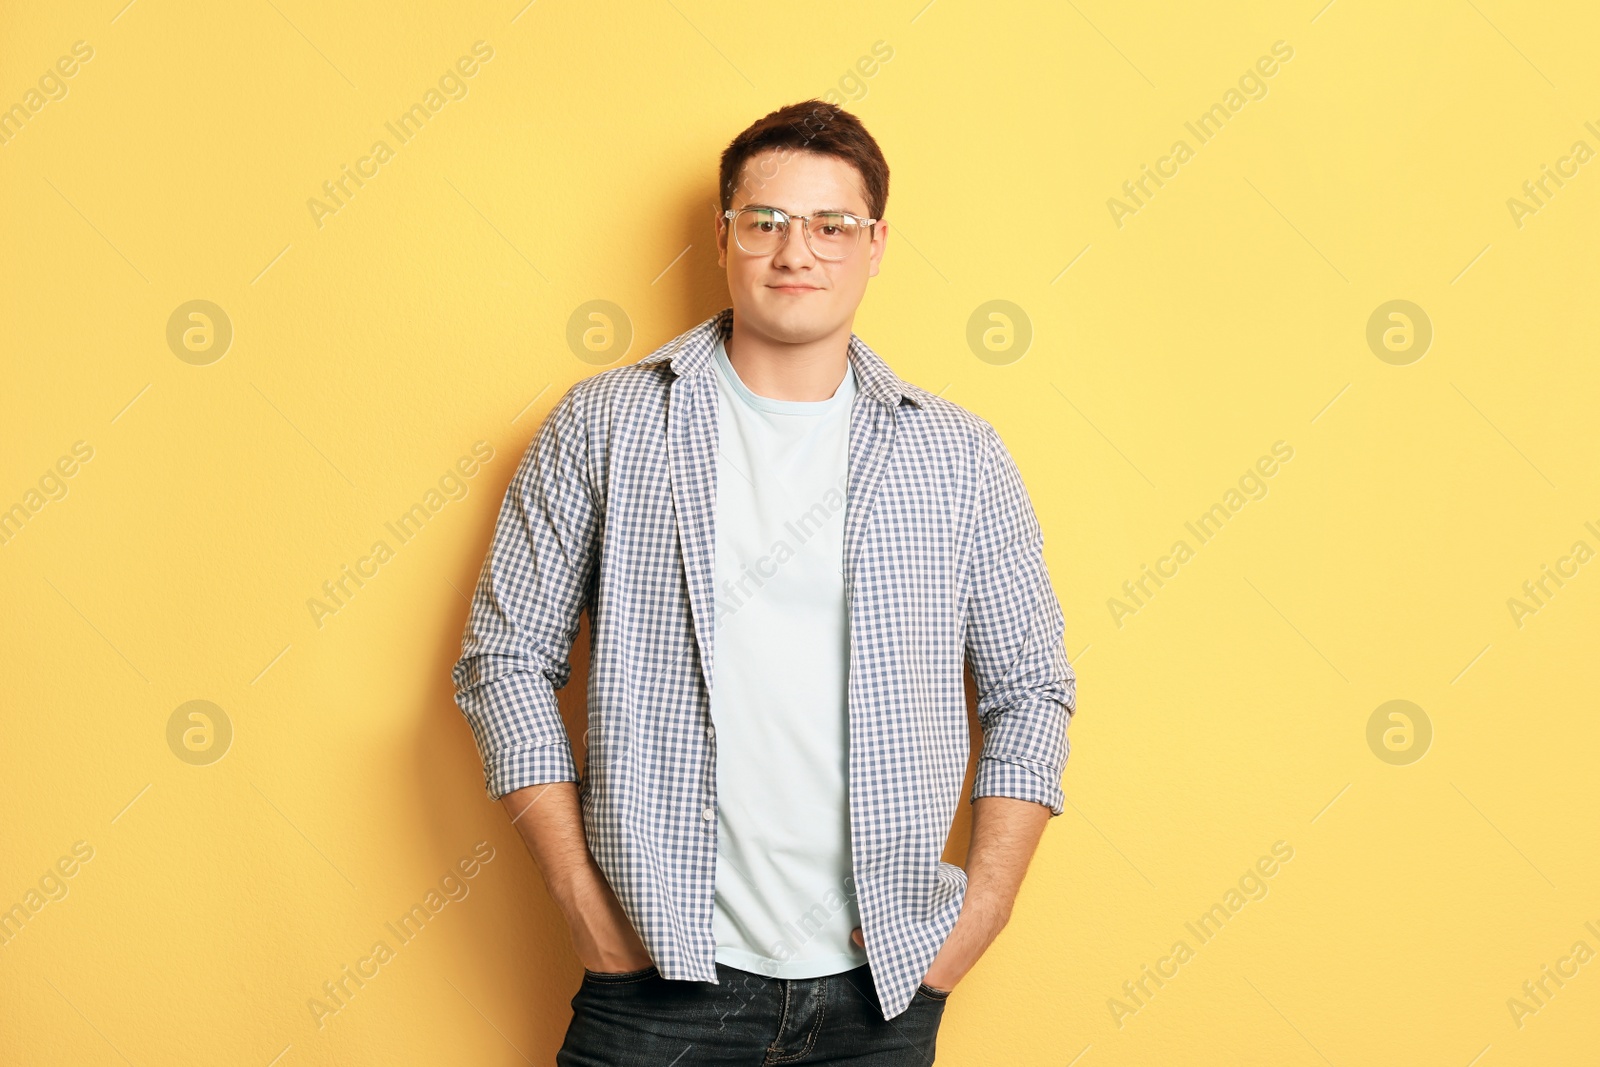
{"x": 880, "y": 237}
{"x": 720, "y": 227}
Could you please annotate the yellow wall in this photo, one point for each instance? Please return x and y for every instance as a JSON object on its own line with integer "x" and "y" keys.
{"x": 1172, "y": 347}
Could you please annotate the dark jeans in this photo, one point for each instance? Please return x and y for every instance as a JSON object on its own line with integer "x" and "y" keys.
{"x": 640, "y": 1019}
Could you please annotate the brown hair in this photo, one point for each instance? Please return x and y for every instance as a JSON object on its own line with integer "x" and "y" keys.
{"x": 809, "y": 126}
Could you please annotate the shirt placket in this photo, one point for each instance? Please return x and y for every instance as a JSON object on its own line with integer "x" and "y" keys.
{"x": 691, "y": 444}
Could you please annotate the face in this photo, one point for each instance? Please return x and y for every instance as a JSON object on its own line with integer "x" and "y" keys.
{"x": 791, "y": 295}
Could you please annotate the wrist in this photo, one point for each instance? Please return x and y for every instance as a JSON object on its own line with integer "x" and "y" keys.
{"x": 597, "y": 912}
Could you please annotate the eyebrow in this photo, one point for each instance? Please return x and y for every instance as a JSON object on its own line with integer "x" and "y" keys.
{"x": 819, "y": 211}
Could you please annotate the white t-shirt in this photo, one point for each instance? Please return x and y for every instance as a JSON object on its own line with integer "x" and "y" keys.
{"x": 785, "y": 894}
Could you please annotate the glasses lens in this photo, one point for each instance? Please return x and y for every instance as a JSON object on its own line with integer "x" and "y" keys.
{"x": 759, "y": 230}
{"x": 833, "y": 235}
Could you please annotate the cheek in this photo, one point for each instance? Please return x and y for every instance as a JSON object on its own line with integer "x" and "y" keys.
{"x": 852, "y": 278}
{"x": 747, "y": 276}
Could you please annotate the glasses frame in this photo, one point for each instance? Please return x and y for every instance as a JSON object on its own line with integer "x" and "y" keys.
{"x": 732, "y": 215}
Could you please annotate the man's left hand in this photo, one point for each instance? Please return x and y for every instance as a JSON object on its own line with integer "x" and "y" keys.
{"x": 975, "y": 929}
{"x": 1005, "y": 832}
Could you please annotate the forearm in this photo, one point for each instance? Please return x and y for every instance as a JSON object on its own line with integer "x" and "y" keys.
{"x": 550, "y": 821}
{"x": 1005, "y": 834}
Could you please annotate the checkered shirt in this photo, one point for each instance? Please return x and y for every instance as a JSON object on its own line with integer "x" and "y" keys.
{"x": 611, "y": 511}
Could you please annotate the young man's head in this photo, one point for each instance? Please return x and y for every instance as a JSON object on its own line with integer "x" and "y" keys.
{"x": 809, "y": 158}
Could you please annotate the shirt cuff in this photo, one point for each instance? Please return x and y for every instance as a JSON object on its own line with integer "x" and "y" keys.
{"x": 1019, "y": 779}
{"x": 516, "y": 768}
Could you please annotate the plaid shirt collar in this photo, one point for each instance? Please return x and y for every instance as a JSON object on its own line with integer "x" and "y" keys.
{"x": 690, "y": 353}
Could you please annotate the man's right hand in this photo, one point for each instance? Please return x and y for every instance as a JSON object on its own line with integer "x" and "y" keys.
{"x": 602, "y": 936}
{"x": 550, "y": 822}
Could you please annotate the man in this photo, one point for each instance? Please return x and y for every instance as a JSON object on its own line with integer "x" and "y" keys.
{"x": 787, "y": 554}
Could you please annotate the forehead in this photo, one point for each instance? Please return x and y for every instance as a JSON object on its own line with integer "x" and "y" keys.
{"x": 799, "y": 181}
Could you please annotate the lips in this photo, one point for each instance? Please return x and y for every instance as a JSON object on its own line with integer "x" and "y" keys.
{"x": 795, "y": 288}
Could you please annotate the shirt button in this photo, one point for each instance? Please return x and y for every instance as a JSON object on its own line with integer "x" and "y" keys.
{"x": 711, "y": 731}
{"x": 709, "y": 813}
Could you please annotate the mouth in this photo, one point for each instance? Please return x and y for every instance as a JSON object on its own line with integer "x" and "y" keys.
{"x": 794, "y": 288}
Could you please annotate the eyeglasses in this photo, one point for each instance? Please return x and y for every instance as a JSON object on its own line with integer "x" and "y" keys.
{"x": 832, "y": 235}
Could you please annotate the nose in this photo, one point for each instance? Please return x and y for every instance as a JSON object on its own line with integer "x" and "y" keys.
{"x": 795, "y": 252}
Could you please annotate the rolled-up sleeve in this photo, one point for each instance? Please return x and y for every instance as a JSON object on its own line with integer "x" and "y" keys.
{"x": 1015, "y": 648}
{"x": 532, "y": 588}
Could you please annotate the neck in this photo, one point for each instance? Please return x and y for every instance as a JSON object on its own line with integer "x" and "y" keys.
{"x": 789, "y": 370}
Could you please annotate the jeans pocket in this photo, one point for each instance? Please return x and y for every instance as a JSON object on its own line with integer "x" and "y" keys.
{"x": 619, "y": 977}
{"x": 932, "y": 993}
